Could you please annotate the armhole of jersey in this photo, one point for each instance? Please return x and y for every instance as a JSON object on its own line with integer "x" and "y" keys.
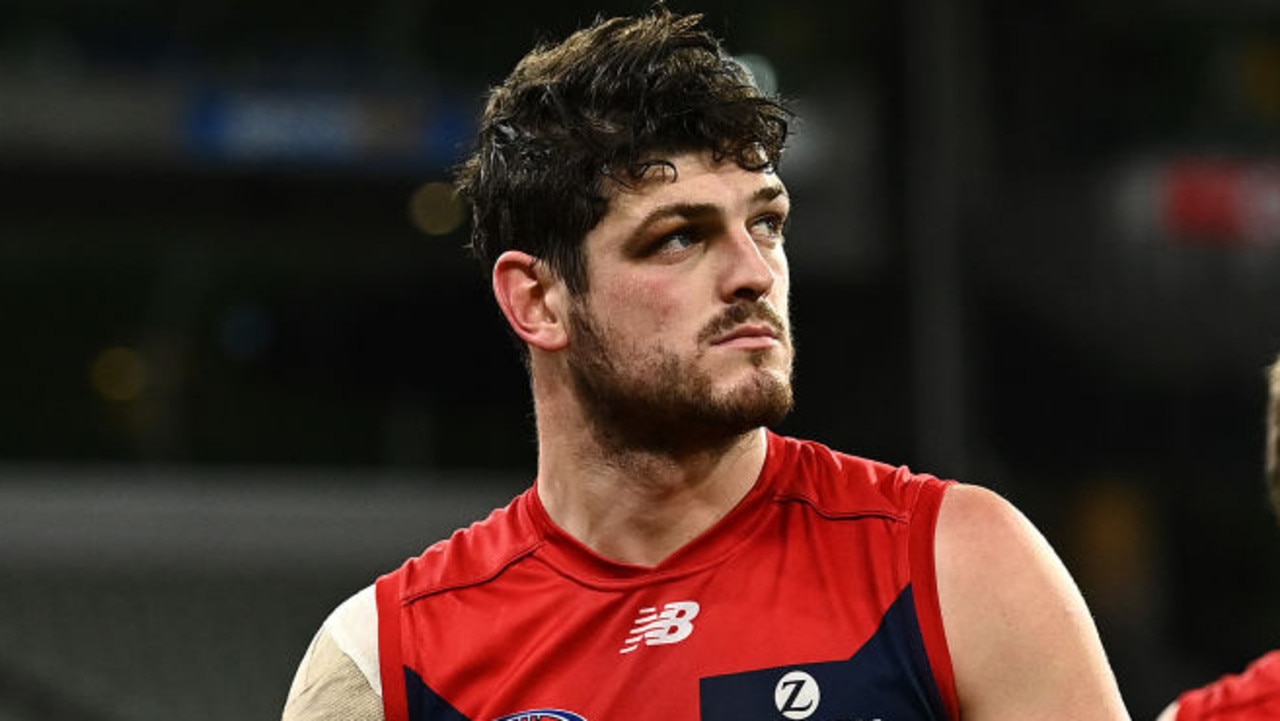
{"x": 395, "y": 700}
{"x": 924, "y": 580}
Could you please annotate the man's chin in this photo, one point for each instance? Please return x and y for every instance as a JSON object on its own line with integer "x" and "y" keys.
{"x": 763, "y": 401}
{"x": 769, "y": 379}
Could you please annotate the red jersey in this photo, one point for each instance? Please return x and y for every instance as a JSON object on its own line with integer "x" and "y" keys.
{"x": 814, "y": 598}
{"x": 1250, "y": 696}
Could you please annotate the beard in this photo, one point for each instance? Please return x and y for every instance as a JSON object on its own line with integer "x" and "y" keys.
{"x": 650, "y": 399}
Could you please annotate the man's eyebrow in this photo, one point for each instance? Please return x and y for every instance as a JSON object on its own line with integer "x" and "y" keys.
{"x": 677, "y": 210}
{"x": 768, "y": 192}
{"x": 697, "y": 210}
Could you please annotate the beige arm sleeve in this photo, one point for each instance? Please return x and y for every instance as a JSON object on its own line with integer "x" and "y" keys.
{"x": 337, "y": 679}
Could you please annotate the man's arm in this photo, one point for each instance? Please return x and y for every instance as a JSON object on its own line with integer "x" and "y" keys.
{"x": 337, "y": 679}
{"x": 1023, "y": 645}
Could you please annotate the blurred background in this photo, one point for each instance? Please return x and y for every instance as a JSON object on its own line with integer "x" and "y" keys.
{"x": 247, "y": 365}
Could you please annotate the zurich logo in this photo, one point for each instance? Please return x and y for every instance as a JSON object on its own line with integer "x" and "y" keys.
{"x": 797, "y": 695}
{"x": 543, "y": 714}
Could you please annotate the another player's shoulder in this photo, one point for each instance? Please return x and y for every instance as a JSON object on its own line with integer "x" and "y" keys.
{"x": 843, "y": 484}
{"x": 1252, "y": 693}
{"x": 1264, "y": 674}
{"x": 473, "y": 554}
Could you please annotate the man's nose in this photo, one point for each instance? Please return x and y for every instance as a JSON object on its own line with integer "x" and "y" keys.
{"x": 748, "y": 273}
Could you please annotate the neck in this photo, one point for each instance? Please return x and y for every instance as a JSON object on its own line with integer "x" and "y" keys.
{"x": 640, "y": 506}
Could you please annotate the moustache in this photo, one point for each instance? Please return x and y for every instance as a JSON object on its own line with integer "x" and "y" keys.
{"x": 735, "y": 315}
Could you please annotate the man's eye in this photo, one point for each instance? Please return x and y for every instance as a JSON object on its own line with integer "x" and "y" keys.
{"x": 675, "y": 242}
{"x": 770, "y": 226}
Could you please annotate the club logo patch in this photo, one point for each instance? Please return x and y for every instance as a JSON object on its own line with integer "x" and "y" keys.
{"x": 543, "y": 714}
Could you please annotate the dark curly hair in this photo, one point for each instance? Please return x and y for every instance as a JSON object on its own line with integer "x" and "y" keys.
{"x": 594, "y": 109}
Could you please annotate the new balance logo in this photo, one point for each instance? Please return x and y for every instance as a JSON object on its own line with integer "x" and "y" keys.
{"x": 653, "y": 628}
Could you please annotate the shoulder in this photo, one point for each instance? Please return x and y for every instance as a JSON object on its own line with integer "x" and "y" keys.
{"x": 1254, "y": 691}
{"x": 839, "y": 483}
{"x": 1267, "y": 670}
{"x": 977, "y": 526}
{"x": 1020, "y": 635}
{"x": 472, "y": 555}
{"x": 992, "y": 560}
{"x": 1261, "y": 680}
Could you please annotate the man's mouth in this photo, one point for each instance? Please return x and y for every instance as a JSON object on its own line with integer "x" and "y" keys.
{"x": 749, "y": 335}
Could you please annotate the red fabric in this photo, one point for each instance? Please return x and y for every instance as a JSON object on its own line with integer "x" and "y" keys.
{"x": 1253, "y": 695}
{"x": 801, "y": 571}
{"x": 390, "y": 663}
{"x": 928, "y": 609}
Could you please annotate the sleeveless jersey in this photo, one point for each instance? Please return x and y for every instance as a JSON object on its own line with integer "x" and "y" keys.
{"x": 1253, "y": 695}
{"x": 814, "y": 598}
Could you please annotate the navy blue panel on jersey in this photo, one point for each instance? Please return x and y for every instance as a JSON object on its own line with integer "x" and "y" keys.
{"x": 889, "y": 678}
{"x": 425, "y": 704}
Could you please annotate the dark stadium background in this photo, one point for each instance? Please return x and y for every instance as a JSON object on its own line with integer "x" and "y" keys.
{"x": 247, "y": 364}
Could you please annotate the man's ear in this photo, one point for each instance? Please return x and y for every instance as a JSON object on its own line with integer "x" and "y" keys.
{"x": 533, "y": 299}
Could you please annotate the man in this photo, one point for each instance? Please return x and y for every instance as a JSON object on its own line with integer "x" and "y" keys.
{"x": 674, "y": 559}
{"x": 1253, "y": 695}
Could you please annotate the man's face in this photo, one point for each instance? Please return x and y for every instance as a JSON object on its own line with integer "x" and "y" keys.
{"x": 683, "y": 337}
